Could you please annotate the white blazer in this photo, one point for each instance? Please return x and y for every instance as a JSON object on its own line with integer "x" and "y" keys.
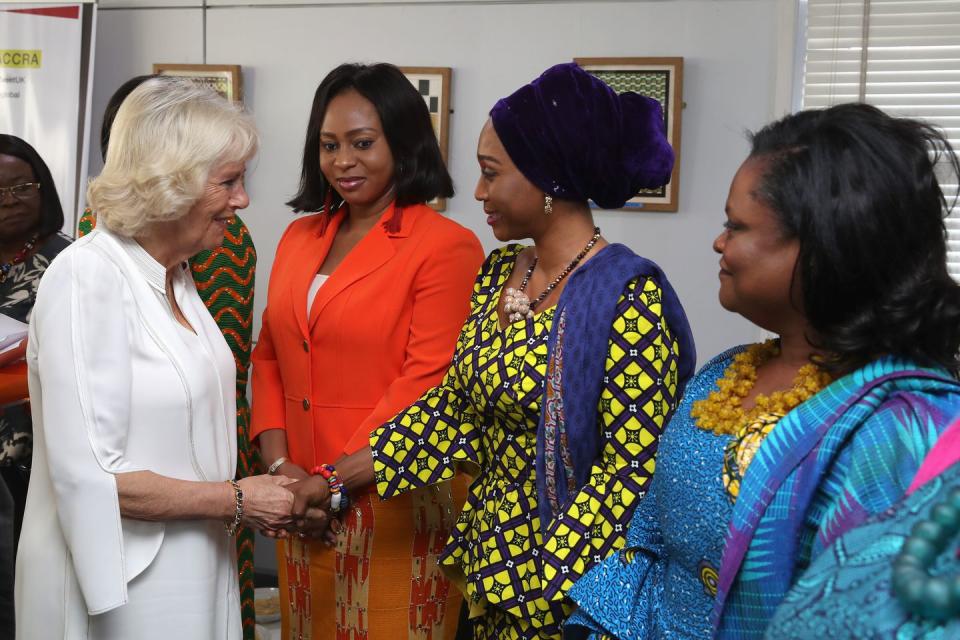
{"x": 116, "y": 385}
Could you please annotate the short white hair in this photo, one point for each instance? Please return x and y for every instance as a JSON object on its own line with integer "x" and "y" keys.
{"x": 169, "y": 134}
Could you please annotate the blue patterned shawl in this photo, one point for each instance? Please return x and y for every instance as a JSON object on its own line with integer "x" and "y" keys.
{"x": 586, "y": 311}
{"x": 845, "y": 454}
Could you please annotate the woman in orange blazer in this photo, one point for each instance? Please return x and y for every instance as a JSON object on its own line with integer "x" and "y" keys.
{"x": 365, "y": 302}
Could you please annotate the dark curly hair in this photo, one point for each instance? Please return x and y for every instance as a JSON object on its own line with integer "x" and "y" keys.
{"x": 858, "y": 188}
{"x": 421, "y": 174}
{"x": 51, "y": 211}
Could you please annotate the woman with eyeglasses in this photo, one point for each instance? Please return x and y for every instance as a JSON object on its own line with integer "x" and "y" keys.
{"x": 30, "y": 221}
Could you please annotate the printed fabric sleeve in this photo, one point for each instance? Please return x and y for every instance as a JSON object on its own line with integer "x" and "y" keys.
{"x": 638, "y": 397}
{"x": 425, "y": 443}
{"x": 79, "y": 383}
{"x": 615, "y": 598}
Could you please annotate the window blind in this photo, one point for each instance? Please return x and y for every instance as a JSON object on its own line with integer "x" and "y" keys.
{"x": 902, "y": 56}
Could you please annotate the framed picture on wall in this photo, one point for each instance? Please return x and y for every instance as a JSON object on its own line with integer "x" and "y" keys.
{"x": 225, "y": 79}
{"x": 661, "y": 79}
{"x": 433, "y": 83}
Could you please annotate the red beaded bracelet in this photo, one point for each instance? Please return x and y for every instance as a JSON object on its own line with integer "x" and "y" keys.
{"x": 329, "y": 473}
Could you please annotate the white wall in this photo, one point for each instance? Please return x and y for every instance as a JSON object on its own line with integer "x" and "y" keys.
{"x": 736, "y": 78}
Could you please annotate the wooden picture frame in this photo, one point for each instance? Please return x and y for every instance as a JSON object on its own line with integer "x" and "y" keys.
{"x": 433, "y": 83}
{"x": 225, "y": 79}
{"x": 659, "y": 78}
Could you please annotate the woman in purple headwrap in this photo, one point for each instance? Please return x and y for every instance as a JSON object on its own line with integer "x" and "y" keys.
{"x": 572, "y": 360}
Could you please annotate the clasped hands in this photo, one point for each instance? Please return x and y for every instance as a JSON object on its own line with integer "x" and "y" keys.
{"x": 281, "y": 506}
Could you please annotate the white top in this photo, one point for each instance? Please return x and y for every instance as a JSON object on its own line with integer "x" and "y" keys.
{"x": 117, "y": 385}
{"x": 318, "y": 281}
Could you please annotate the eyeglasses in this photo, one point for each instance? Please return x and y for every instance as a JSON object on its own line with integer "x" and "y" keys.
{"x": 20, "y": 191}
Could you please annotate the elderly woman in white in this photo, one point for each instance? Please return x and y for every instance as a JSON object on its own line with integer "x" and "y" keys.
{"x": 132, "y": 389}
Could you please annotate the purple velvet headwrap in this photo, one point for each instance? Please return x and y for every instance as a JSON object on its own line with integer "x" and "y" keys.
{"x": 571, "y": 135}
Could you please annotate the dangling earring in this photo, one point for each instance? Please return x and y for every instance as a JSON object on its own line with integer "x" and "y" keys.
{"x": 547, "y": 205}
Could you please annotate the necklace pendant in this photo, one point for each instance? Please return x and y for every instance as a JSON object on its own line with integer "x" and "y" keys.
{"x": 516, "y": 305}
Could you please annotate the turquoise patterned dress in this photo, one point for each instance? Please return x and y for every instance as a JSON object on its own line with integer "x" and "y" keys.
{"x": 846, "y": 593}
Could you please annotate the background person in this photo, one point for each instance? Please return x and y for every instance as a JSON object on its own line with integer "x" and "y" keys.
{"x": 30, "y": 222}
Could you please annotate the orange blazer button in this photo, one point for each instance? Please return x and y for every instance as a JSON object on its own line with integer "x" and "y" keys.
{"x": 306, "y": 405}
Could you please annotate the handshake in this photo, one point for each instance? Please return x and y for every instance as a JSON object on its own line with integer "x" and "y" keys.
{"x": 281, "y": 506}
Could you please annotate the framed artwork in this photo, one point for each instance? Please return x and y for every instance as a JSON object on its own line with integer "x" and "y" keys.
{"x": 225, "y": 79}
{"x": 433, "y": 83}
{"x": 661, "y": 79}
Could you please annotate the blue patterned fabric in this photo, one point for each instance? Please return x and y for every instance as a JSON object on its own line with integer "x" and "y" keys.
{"x": 590, "y": 301}
{"x": 845, "y": 454}
{"x": 662, "y": 583}
{"x": 846, "y": 593}
{"x": 849, "y": 452}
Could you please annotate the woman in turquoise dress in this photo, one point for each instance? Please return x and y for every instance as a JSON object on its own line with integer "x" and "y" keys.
{"x": 834, "y": 241}
{"x": 863, "y": 586}
{"x": 571, "y": 361}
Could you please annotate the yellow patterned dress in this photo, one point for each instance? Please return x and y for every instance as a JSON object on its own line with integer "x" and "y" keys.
{"x": 484, "y": 417}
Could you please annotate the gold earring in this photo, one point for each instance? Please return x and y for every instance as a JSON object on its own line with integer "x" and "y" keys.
{"x": 547, "y": 205}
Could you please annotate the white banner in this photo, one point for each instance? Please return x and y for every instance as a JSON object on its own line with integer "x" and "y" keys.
{"x": 41, "y": 53}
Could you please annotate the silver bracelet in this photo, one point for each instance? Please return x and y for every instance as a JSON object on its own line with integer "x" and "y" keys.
{"x": 238, "y": 509}
{"x": 272, "y": 469}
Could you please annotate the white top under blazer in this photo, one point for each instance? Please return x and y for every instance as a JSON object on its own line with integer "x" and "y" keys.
{"x": 118, "y": 385}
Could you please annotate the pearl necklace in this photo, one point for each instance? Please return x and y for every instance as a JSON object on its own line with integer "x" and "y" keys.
{"x": 516, "y": 303}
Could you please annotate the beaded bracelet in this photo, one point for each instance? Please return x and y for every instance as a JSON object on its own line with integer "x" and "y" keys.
{"x": 238, "y": 509}
{"x": 338, "y": 497}
{"x": 932, "y": 597}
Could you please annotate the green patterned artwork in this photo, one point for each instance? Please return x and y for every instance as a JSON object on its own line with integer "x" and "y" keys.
{"x": 653, "y": 84}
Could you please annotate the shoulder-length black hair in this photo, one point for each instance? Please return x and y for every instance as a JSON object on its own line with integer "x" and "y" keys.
{"x": 51, "y": 212}
{"x": 420, "y": 174}
{"x": 858, "y": 188}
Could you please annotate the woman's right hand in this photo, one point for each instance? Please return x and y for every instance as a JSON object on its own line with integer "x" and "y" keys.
{"x": 267, "y": 503}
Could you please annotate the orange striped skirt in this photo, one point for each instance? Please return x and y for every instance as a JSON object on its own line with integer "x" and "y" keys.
{"x": 381, "y": 580}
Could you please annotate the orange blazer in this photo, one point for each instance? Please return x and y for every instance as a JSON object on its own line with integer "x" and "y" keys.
{"x": 380, "y": 332}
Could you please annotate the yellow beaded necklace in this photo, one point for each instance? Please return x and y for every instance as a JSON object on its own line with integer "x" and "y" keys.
{"x": 722, "y": 411}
